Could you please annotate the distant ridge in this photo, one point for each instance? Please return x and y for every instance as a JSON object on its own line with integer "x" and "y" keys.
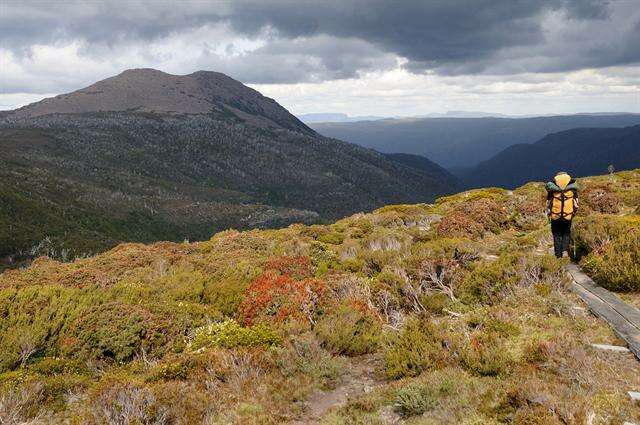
{"x": 462, "y": 142}
{"x": 580, "y": 151}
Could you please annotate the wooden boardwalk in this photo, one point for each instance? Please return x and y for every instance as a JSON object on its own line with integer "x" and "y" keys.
{"x": 623, "y": 318}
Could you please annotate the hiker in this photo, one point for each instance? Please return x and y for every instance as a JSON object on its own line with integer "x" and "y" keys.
{"x": 562, "y": 205}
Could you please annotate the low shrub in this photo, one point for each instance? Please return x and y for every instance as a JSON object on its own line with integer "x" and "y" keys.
{"x": 21, "y": 405}
{"x": 172, "y": 370}
{"x": 118, "y": 331}
{"x": 528, "y": 214}
{"x": 416, "y": 348}
{"x": 601, "y": 199}
{"x": 298, "y": 267}
{"x": 126, "y": 404}
{"x": 332, "y": 238}
{"x": 229, "y": 334}
{"x": 610, "y": 250}
{"x": 350, "y": 328}
{"x": 538, "y": 350}
{"x": 283, "y": 291}
{"x": 487, "y": 322}
{"x": 414, "y": 399}
{"x": 226, "y": 287}
{"x": 484, "y": 354}
{"x": 50, "y": 366}
{"x": 617, "y": 265}
{"x": 489, "y": 281}
{"x": 458, "y": 224}
{"x": 429, "y": 391}
{"x": 473, "y": 219}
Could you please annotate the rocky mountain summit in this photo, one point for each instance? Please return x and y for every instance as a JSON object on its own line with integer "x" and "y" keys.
{"x": 153, "y": 91}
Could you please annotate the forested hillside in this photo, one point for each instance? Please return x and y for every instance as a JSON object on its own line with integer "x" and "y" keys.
{"x": 148, "y": 156}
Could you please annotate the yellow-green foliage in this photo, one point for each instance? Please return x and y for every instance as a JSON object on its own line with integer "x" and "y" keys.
{"x": 493, "y": 193}
{"x": 119, "y": 331}
{"x": 485, "y": 354}
{"x": 229, "y": 334}
{"x": 349, "y": 329}
{"x": 612, "y": 245}
{"x": 462, "y": 336}
{"x": 225, "y": 288}
{"x": 420, "y": 396}
{"x": 416, "y": 348}
{"x": 490, "y": 281}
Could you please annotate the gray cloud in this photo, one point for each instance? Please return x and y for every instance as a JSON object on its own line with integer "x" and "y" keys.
{"x": 333, "y": 39}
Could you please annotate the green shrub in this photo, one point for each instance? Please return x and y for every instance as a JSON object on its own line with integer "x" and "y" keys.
{"x": 489, "y": 281}
{"x": 447, "y": 386}
{"x": 118, "y": 331}
{"x": 353, "y": 265}
{"x": 612, "y": 248}
{"x": 58, "y": 366}
{"x": 171, "y": 371}
{"x": 435, "y": 302}
{"x": 617, "y": 266}
{"x": 485, "y": 354}
{"x": 350, "y": 329}
{"x": 225, "y": 289}
{"x": 332, "y": 238}
{"x": 487, "y": 322}
{"x": 229, "y": 334}
{"x": 414, "y": 399}
{"x": 416, "y": 348}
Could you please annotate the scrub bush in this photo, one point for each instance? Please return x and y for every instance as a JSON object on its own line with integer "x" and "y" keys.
{"x": 601, "y": 199}
{"x": 229, "y": 334}
{"x": 485, "y": 354}
{"x": 118, "y": 331}
{"x": 610, "y": 250}
{"x": 489, "y": 281}
{"x": 350, "y": 328}
{"x": 416, "y": 348}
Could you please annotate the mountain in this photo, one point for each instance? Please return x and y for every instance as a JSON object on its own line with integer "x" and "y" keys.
{"x": 580, "y": 151}
{"x": 153, "y": 91}
{"x": 146, "y": 155}
{"x": 421, "y": 163}
{"x": 335, "y": 117}
{"x": 461, "y": 142}
{"x": 464, "y": 114}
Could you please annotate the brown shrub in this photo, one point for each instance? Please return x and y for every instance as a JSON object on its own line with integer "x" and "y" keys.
{"x": 473, "y": 219}
{"x": 601, "y": 199}
{"x": 527, "y": 214}
{"x": 459, "y": 224}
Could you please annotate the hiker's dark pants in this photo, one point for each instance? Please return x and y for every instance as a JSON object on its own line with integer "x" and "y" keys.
{"x": 561, "y": 230}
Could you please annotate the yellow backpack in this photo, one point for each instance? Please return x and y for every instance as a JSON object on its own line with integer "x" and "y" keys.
{"x": 562, "y": 205}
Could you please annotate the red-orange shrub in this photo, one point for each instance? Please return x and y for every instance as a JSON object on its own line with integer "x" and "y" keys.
{"x": 284, "y": 290}
{"x": 297, "y": 267}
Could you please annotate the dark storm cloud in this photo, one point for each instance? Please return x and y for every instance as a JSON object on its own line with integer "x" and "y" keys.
{"x": 331, "y": 39}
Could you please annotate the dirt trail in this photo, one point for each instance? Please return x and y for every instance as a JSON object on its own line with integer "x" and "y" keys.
{"x": 358, "y": 379}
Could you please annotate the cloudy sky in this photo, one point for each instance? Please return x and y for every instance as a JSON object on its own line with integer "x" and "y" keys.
{"x": 360, "y": 57}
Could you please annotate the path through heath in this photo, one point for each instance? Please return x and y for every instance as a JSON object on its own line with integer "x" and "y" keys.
{"x": 358, "y": 379}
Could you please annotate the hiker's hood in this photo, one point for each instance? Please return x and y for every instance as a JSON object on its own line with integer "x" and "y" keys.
{"x": 562, "y": 180}
{"x": 553, "y": 186}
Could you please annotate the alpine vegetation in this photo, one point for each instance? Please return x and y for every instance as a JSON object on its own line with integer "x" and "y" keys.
{"x": 451, "y": 312}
